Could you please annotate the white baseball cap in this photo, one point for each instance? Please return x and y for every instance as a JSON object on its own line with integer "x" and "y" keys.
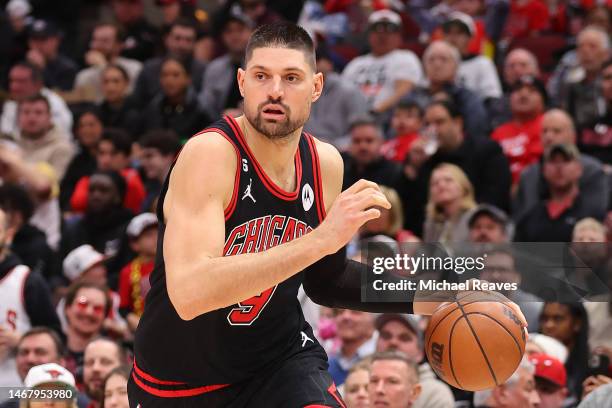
{"x": 49, "y": 373}
{"x": 18, "y": 8}
{"x": 457, "y": 17}
{"x": 81, "y": 259}
{"x": 385, "y": 16}
{"x": 140, "y": 223}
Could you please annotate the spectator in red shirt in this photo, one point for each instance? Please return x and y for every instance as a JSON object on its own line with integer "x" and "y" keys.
{"x": 526, "y": 18}
{"x": 520, "y": 137}
{"x": 114, "y": 150}
{"x": 134, "y": 278}
{"x": 405, "y": 125}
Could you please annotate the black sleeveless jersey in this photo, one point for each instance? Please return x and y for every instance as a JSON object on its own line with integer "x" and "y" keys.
{"x": 235, "y": 343}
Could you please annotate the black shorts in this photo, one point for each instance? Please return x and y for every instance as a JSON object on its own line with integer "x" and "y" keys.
{"x": 302, "y": 381}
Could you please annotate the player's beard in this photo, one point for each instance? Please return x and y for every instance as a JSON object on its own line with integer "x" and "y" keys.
{"x": 278, "y": 129}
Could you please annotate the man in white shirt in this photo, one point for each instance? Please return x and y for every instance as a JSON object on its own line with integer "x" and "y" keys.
{"x": 387, "y": 73}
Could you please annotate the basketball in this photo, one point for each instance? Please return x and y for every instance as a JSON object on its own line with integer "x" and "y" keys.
{"x": 475, "y": 343}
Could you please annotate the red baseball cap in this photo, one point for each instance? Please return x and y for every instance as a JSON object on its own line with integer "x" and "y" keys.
{"x": 549, "y": 368}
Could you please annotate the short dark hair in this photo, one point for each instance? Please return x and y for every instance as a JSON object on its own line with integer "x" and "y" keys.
{"x": 75, "y": 287}
{"x": 282, "y": 35}
{"x": 37, "y": 73}
{"x": 15, "y": 198}
{"x": 121, "y": 352}
{"x": 117, "y": 180}
{"x": 119, "y": 33}
{"x": 164, "y": 140}
{"x": 119, "y": 138}
{"x": 449, "y": 106}
{"x": 37, "y": 97}
{"x": 182, "y": 22}
{"x": 57, "y": 341}
{"x": 119, "y": 68}
{"x": 181, "y": 61}
{"x": 409, "y": 105}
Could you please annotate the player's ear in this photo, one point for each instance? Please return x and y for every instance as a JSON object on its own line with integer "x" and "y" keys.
{"x": 240, "y": 75}
{"x": 317, "y": 87}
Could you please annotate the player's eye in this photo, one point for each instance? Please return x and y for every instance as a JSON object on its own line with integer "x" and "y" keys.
{"x": 260, "y": 76}
{"x": 292, "y": 78}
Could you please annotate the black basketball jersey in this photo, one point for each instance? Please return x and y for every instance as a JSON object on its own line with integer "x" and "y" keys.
{"x": 235, "y": 343}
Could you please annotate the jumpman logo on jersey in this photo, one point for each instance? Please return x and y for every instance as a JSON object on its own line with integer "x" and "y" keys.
{"x": 305, "y": 339}
{"x": 247, "y": 192}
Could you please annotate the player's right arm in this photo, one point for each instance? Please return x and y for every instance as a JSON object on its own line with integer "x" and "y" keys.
{"x": 199, "y": 278}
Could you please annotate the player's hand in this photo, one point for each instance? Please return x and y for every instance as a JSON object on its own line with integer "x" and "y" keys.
{"x": 353, "y": 207}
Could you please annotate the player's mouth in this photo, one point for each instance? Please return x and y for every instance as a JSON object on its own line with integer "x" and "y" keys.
{"x": 274, "y": 112}
{"x": 381, "y": 404}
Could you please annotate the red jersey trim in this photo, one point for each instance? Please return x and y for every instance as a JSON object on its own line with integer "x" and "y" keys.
{"x": 269, "y": 184}
{"x": 191, "y": 392}
{"x": 152, "y": 379}
{"x": 231, "y": 206}
{"x": 316, "y": 171}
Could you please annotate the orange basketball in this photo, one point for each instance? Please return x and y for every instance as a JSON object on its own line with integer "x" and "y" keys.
{"x": 474, "y": 345}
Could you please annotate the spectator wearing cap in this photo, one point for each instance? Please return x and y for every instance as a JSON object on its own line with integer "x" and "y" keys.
{"x": 158, "y": 150}
{"x": 476, "y": 72}
{"x": 44, "y": 40}
{"x": 113, "y": 154}
{"x": 520, "y": 137}
{"x": 551, "y": 380}
{"x": 553, "y": 219}
{"x": 340, "y": 101}
{"x": 387, "y": 73}
{"x": 406, "y": 123}
{"x": 50, "y": 376}
{"x": 26, "y": 80}
{"x": 220, "y": 93}
{"x": 104, "y": 48}
{"x": 539, "y": 343}
{"x": 441, "y": 61}
{"x": 363, "y": 158}
{"x": 26, "y": 302}
{"x": 134, "y": 277}
{"x": 558, "y": 128}
{"x": 179, "y": 40}
{"x": 488, "y": 225}
{"x": 141, "y": 37}
{"x": 397, "y": 332}
{"x": 14, "y": 33}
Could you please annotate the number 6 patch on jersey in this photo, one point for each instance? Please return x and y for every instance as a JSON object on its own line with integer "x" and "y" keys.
{"x": 249, "y": 310}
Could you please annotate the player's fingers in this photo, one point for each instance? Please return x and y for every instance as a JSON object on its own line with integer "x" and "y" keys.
{"x": 374, "y": 199}
{"x": 369, "y": 214}
{"x": 361, "y": 184}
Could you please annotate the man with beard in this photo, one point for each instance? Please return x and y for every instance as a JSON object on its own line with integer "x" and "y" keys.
{"x": 101, "y": 357}
{"x": 241, "y": 214}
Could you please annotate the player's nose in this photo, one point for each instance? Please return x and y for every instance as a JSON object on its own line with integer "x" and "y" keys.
{"x": 276, "y": 87}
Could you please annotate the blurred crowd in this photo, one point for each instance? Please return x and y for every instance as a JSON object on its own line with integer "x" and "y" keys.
{"x": 484, "y": 121}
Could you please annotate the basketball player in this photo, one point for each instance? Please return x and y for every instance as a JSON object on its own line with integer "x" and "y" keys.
{"x": 249, "y": 204}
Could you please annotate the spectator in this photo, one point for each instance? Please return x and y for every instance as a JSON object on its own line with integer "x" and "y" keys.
{"x": 258, "y": 12}
{"x": 44, "y": 41}
{"x": 140, "y": 36}
{"x": 105, "y": 219}
{"x": 441, "y": 61}
{"x": 134, "y": 277}
{"x": 519, "y": 391}
{"x": 41, "y": 140}
{"x": 520, "y": 137}
{"x": 552, "y": 219}
{"x": 579, "y": 93}
{"x": 356, "y": 334}
{"x": 220, "y": 93}
{"x": 391, "y": 221}
{"x": 105, "y": 48}
{"x": 340, "y": 101}
{"x": 500, "y": 267}
{"x": 558, "y": 128}
{"x": 589, "y": 256}
{"x": 25, "y": 80}
{"x": 488, "y": 224}
{"x": 113, "y": 154}
{"x": 527, "y": 18}
{"x": 596, "y": 136}
{"x": 568, "y": 323}
{"x": 88, "y": 131}
{"x": 39, "y": 345}
{"x": 539, "y": 343}
{"x": 387, "y": 73}
{"x": 451, "y": 199}
{"x": 355, "y": 388}
{"x": 476, "y": 72}
{"x": 363, "y": 158}
{"x": 482, "y": 161}
{"x": 87, "y": 305}
{"x": 401, "y": 333}
{"x": 159, "y": 149}
{"x": 28, "y": 242}
{"x": 551, "y": 380}
{"x": 394, "y": 380}
{"x": 116, "y": 109}
{"x": 179, "y": 41}
{"x": 115, "y": 388}
{"x": 101, "y": 357}
{"x": 26, "y": 302}
{"x": 176, "y": 107}
{"x": 50, "y": 376}
{"x": 600, "y": 397}
{"x": 405, "y": 124}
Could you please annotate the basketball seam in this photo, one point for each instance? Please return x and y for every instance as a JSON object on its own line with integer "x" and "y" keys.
{"x": 500, "y": 323}
{"x": 438, "y": 324}
{"x": 450, "y": 346}
{"x": 479, "y": 344}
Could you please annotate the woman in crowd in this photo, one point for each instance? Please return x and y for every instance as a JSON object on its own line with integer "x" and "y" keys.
{"x": 451, "y": 199}
{"x": 116, "y": 109}
{"x": 115, "y": 388}
{"x": 356, "y": 386}
{"x": 390, "y": 222}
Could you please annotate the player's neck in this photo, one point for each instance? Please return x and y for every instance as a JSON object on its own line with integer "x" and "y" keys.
{"x": 275, "y": 156}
